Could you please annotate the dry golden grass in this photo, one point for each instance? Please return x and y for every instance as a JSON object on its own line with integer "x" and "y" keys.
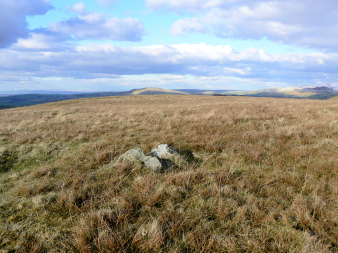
{"x": 264, "y": 178}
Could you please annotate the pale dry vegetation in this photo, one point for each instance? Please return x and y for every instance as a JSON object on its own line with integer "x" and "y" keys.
{"x": 264, "y": 178}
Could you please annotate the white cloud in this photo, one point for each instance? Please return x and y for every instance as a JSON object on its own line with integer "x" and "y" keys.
{"x": 42, "y": 40}
{"x": 92, "y": 61}
{"x": 179, "y": 5}
{"x": 185, "y": 25}
{"x": 78, "y": 8}
{"x": 244, "y": 71}
{"x": 84, "y": 26}
{"x": 92, "y": 18}
{"x": 310, "y": 23}
{"x": 106, "y": 2}
{"x": 13, "y": 18}
{"x": 36, "y": 41}
{"x": 96, "y": 26}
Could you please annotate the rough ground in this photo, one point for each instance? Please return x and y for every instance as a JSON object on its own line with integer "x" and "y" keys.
{"x": 264, "y": 178}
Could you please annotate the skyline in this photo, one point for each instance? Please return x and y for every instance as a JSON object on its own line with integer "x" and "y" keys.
{"x": 105, "y": 45}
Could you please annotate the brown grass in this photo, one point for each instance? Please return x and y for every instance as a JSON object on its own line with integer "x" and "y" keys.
{"x": 264, "y": 178}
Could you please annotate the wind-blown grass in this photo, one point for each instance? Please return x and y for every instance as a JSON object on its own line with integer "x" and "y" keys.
{"x": 264, "y": 178}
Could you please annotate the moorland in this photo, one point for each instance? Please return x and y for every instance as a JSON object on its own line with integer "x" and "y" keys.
{"x": 264, "y": 177}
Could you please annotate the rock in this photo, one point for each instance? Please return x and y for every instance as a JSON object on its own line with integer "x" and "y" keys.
{"x": 135, "y": 155}
{"x": 164, "y": 151}
{"x": 162, "y": 158}
{"x": 153, "y": 163}
{"x": 168, "y": 156}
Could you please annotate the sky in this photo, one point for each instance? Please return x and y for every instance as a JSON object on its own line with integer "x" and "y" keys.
{"x": 117, "y": 45}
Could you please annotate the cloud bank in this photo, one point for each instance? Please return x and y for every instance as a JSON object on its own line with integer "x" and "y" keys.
{"x": 108, "y": 61}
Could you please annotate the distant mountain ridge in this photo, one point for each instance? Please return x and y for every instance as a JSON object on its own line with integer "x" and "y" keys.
{"x": 310, "y": 92}
{"x": 45, "y": 92}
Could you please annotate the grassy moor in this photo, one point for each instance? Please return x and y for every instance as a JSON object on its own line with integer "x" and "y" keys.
{"x": 264, "y": 177}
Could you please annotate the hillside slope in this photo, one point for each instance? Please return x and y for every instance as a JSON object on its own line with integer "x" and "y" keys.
{"x": 334, "y": 98}
{"x": 264, "y": 177}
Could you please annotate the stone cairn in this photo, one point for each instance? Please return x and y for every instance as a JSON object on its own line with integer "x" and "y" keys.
{"x": 160, "y": 159}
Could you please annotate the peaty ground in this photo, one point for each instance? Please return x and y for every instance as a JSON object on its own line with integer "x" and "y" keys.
{"x": 265, "y": 177}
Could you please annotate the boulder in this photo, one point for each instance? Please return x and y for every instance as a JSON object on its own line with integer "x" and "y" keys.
{"x": 135, "y": 155}
{"x": 168, "y": 156}
{"x": 153, "y": 163}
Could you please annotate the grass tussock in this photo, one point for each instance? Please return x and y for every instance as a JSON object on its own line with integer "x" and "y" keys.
{"x": 264, "y": 177}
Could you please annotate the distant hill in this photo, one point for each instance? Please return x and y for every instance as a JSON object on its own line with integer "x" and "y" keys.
{"x": 334, "y": 98}
{"x": 46, "y": 92}
{"x": 203, "y": 92}
{"x": 11, "y": 101}
{"x": 34, "y": 99}
{"x": 156, "y": 91}
{"x": 314, "y": 92}
{"x": 311, "y": 92}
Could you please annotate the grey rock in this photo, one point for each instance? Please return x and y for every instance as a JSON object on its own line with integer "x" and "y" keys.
{"x": 152, "y": 163}
{"x": 161, "y": 158}
{"x": 168, "y": 156}
{"x": 135, "y": 155}
{"x": 164, "y": 151}
{"x": 166, "y": 164}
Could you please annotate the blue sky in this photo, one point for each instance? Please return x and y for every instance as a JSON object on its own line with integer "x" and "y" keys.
{"x": 115, "y": 45}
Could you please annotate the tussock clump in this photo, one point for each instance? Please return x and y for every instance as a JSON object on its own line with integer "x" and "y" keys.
{"x": 262, "y": 176}
{"x": 7, "y": 160}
